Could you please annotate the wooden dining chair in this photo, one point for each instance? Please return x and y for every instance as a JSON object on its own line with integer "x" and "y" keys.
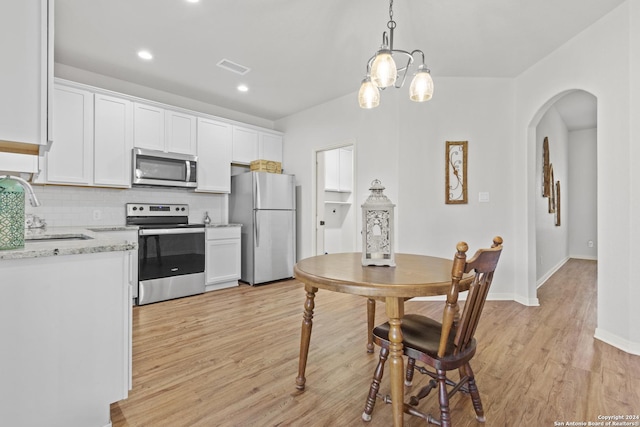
{"x": 445, "y": 346}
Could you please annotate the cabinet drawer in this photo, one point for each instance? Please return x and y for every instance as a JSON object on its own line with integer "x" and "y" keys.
{"x": 216, "y": 233}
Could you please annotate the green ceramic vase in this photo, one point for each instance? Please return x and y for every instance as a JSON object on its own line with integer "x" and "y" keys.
{"x": 11, "y": 214}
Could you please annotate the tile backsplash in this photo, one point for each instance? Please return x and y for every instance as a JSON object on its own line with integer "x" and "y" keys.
{"x": 79, "y": 206}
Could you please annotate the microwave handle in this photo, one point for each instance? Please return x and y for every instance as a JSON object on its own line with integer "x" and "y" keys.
{"x": 188, "y": 164}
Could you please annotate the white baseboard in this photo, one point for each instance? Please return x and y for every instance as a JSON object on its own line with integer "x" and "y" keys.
{"x": 587, "y": 257}
{"x": 618, "y": 342}
{"x": 551, "y": 272}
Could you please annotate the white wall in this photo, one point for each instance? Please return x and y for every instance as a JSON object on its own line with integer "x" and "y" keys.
{"x": 598, "y": 61}
{"x": 552, "y": 242}
{"x": 402, "y": 143}
{"x": 582, "y": 197}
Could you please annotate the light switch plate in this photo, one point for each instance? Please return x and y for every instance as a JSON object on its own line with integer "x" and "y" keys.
{"x": 483, "y": 197}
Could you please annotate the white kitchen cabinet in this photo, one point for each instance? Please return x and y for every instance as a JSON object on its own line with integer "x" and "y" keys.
{"x": 148, "y": 126}
{"x": 245, "y": 145}
{"x": 338, "y": 170}
{"x": 180, "y": 132}
{"x": 251, "y": 144}
{"x": 270, "y": 147}
{"x": 113, "y": 141}
{"x": 70, "y": 158}
{"x": 26, "y": 31}
{"x": 165, "y": 130}
{"x": 223, "y": 257}
{"x": 65, "y": 323}
{"x": 93, "y": 140}
{"x": 214, "y": 156}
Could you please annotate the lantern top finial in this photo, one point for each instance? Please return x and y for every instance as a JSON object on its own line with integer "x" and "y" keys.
{"x": 377, "y": 197}
{"x": 376, "y": 184}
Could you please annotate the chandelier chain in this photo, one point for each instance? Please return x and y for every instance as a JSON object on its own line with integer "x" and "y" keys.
{"x": 391, "y": 24}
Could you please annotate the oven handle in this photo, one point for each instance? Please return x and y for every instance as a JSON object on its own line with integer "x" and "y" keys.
{"x": 163, "y": 231}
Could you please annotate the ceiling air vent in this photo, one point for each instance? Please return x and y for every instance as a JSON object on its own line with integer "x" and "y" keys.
{"x": 233, "y": 67}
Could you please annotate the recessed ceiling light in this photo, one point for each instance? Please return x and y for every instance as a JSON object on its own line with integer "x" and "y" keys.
{"x": 243, "y": 88}
{"x": 145, "y": 54}
{"x": 193, "y": 1}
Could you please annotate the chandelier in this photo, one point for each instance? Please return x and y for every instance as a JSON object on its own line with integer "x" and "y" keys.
{"x": 382, "y": 71}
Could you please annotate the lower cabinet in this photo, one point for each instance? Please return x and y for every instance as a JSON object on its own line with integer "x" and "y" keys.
{"x": 65, "y": 327}
{"x": 223, "y": 257}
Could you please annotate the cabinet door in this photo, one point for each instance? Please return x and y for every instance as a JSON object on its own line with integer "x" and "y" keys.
{"x": 27, "y": 70}
{"x": 69, "y": 161}
{"x": 180, "y": 132}
{"x": 113, "y": 141}
{"x": 332, "y": 170}
{"x": 270, "y": 147}
{"x": 245, "y": 145}
{"x": 223, "y": 260}
{"x": 346, "y": 170}
{"x": 214, "y": 156}
{"x": 148, "y": 126}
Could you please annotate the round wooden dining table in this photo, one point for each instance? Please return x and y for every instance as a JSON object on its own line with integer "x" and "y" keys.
{"x": 413, "y": 276}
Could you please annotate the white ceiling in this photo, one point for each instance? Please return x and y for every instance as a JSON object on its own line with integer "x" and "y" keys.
{"x": 305, "y": 52}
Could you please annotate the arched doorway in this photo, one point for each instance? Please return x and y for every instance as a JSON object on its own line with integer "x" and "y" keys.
{"x": 564, "y": 132}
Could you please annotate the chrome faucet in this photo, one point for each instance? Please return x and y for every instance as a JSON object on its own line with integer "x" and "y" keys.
{"x": 32, "y": 196}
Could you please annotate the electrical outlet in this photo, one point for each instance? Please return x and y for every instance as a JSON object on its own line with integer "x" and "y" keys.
{"x": 97, "y": 214}
{"x": 590, "y": 244}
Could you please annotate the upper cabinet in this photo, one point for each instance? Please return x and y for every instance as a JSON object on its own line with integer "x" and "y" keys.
{"x": 245, "y": 145}
{"x": 165, "y": 130}
{"x": 70, "y": 158}
{"x": 93, "y": 140}
{"x": 270, "y": 147}
{"x": 27, "y": 71}
{"x": 214, "y": 156}
{"x": 338, "y": 170}
{"x": 113, "y": 141}
{"x": 251, "y": 144}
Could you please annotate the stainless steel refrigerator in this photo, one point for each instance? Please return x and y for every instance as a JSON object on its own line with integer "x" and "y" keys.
{"x": 265, "y": 204}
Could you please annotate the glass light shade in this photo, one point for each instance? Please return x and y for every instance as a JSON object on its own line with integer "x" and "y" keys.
{"x": 369, "y": 95}
{"x": 384, "y": 70}
{"x": 421, "y": 86}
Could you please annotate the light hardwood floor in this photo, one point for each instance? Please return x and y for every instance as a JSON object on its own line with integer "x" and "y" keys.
{"x": 230, "y": 358}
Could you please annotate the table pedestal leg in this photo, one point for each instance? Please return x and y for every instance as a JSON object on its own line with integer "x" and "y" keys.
{"x": 305, "y": 337}
{"x": 395, "y": 312}
{"x": 371, "y": 317}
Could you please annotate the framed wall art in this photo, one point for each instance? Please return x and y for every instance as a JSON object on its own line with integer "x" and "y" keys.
{"x": 557, "y": 204}
{"x": 456, "y": 172}
{"x": 552, "y": 194}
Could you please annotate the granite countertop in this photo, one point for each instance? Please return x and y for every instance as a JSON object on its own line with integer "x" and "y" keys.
{"x": 222, "y": 225}
{"x": 53, "y": 241}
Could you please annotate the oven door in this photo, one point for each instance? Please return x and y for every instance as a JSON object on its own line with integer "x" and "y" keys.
{"x": 170, "y": 263}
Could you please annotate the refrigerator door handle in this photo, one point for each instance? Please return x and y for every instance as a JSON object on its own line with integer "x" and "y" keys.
{"x": 256, "y": 229}
{"x": 257, "y": 200}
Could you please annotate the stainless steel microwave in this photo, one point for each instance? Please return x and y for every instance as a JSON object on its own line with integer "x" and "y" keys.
{"x": 157, "y": 168}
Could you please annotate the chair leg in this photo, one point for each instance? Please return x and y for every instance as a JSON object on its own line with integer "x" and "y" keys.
{"x": 443, "y": 398}
{"x": 375, "y": 384}
{"x": 408, "y": 379}
{"x": 475, "y": 395}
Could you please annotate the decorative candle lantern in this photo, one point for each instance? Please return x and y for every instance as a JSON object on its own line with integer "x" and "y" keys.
{"x": 377, "y": 228}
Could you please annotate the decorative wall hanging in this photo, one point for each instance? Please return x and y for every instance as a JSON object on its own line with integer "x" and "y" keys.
{"x": 547, "y": 182}
{"x": 456, "y": 172}
{"x": 552, "y": 192}
{"x": 558, "y": 203}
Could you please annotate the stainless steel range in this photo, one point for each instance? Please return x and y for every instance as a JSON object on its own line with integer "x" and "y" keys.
{"x": 171, "y": 252}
